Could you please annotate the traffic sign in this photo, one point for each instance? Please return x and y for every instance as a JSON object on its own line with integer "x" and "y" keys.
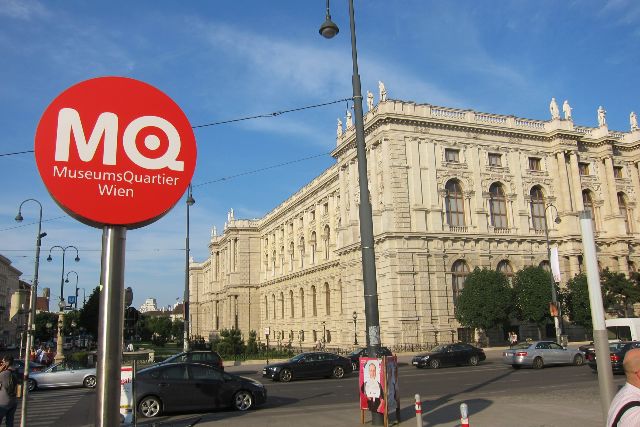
{"x": 115, "y": 151}
{"x": 71, "y": 299}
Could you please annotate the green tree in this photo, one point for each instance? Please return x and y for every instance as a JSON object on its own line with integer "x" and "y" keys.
{"x": 230, "y": 343}
{"x": 618, "y": 292}
{"x": 90, "y": 312}
{"x": 252, "y": 343}
{"x": 177, "y": 330}
{"x": 532, "y": 295}
{"x": 486, "y": 300}
{"x": 575, "y": 301}
{"x": 42, "y": 333}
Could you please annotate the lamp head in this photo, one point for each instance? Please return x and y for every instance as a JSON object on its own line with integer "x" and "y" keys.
{"x": 61, "y": 304}
{"x": 190, "y": 200}
{"x": 67, "y": 279}
{"x": 49, "y": 258}
{"x": 77, "y": 258}
{"x": 329, "y": 29}
{"x": 355, "y": 315}
{"x": 19, "y": 217}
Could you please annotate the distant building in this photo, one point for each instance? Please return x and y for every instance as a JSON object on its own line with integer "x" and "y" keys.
{"x": 9, "y": 284}
{"x": 177, "y": 313}
{"x": 149, "y": 305}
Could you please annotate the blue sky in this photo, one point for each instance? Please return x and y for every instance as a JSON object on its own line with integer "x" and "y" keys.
{"x": 224, "y": 60}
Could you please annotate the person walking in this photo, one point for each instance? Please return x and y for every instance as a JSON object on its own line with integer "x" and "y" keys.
{"x": 624, "y": 410}
{"x": 8, "y": 384}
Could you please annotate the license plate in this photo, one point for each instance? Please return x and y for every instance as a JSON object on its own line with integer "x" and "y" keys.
{"x": 264, "y": 371}
{"x": 415, "y": 363}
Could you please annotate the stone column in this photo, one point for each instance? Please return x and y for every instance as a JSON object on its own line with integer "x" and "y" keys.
{"x": 611, "y": 186}
{"x": 623, "y": 265}
{"x": 565, "y": 196}
{"x": 635, "y": 178}
{"x": 574, "y": 266}
{"x": 576, "y": 187}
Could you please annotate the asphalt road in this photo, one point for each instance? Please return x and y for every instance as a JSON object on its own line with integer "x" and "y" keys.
{"x": 482, "y": 386}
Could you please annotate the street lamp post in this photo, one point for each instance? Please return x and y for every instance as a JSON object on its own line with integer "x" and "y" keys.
{"x": 554, "y": 296}
{"x": 355, "y": 328}
{"x": 84, "y": 297}
{"x": 76, "y": 293}
{"x": 324, "y": 333}
{"x": 372, "y": 317}
{"x": 185, "y": 345}
{"x": 59, "y": 348}
{"x": 32, "y": 309}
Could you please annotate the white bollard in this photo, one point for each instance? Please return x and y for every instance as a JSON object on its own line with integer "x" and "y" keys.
{"x": 418, "y": 411}
{"x": 464, "y": 415}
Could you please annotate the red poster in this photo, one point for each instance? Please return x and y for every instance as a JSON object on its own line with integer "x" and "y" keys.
{"x": 371, "y": 383}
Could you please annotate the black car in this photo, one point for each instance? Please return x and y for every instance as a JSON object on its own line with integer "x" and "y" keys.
{"x": 363, "y": 352}
{"x": 449, "y": 354}
{"x": 18, "y": 367}
{"x": 617, "y": 353}
{"x": 309, "y": 365}
{"x": 171, "y": 387}
{"x": 208, "y": 357}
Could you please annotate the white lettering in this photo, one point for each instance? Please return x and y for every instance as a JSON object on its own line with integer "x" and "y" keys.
{"x": 112, "y": 190}
{"x": 69, "y": 122}
{"x": 152, "y": 142}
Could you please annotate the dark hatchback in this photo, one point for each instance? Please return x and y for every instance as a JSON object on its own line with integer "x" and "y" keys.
{"x": 309, "y": 365}
{"x": 449, "y": 355}
{"x": 208, "y": 357}
{"x": 617, "y": 352}
{"x": 183, "y": 387}
{"x": 363, "y": 352}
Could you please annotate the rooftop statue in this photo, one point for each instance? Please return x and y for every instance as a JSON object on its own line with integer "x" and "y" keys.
{"x": 339, "y": 130}
{"x": 383, "y": 91}
{"x": 566, "y": 109}
{"x": 602, "y": 117}
{"x": 633, "y": 121}
{"x": 553, "y": 108}
{"x": 369, "y": 100}
{"x": 349, "y": 120}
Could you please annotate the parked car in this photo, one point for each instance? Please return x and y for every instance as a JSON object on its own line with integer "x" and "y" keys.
{"x": 363, "y": 352}
{"x": 208, "y": 357}
{"x": 63, "y": 374}
{"x": 449, "y": 354}
{"x": 537, "y": 354}
{"x": 184, "y": 386}
{"x": 309, "y": 365}
{"x": 617, "y": 352}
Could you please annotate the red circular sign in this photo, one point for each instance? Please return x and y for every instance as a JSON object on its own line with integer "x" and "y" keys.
{"x": 115, "y": 151}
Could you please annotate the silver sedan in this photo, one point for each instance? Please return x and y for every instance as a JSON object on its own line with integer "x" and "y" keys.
{"x": 537, "y": 354}
{"x": 63, "y": 374}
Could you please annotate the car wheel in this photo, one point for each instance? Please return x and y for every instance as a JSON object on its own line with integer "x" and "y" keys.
{"x": 434, "y": 364}
{"x": 242, "y": 400}
{"x": 285, "y": 375}
{"x": 473, "y": 361}
{"x": 338, "y": 372}
{"x": 578, "y": 360}
{"x": 149, "y": 407}
{"x": 90, "y": 382}
{"x": 538, "y": 363}
{"x": 516, "y": 366}
{"x": 31, "y": 384}
{"x": 354, "y": 366}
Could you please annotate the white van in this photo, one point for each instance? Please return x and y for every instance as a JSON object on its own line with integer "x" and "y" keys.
{"x": 623, "y": 329}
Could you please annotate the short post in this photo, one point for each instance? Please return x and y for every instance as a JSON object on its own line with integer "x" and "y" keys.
{"x": 464, "y": 415}
{"x": 418, "y": 411}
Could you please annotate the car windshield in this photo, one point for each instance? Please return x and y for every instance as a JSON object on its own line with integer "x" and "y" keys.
{"x": 521, "y": 346}
{"x": 297, "y": 357}
{"x": 439, "y": 349}
{"x": 355, "y": 353}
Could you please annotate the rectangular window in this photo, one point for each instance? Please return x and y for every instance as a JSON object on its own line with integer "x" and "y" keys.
{"x": 495, "y": 159}
{"x": 313, "y": 215}
{"x": 451, "y": 155}
{"x": 583, "y": 168}
{"x": 617, "y": 172}
{"x": 534, "y": 164}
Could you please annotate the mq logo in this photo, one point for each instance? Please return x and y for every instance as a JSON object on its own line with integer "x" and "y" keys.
{"x": 115, "y": 151}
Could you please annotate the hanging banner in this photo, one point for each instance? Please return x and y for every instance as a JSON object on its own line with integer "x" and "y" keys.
{"x": 555, "y": 264}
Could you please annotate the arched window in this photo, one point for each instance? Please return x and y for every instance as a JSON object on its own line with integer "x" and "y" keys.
{"x": 505, "y": 268}
{"x": 538, "y": 219}
{"x": 325, "y": 239}
{"x": 273, "y": 263}
{"x": 454, "y": 203}
{"x": 313, "y": 248}
{"x": 624, "y": 211}
{"x": 459, "y": 272}
{"x": 545, "y": 266}
{"x": 314, "y": 300}
{"x": 273, "y": 299}
{"x": 587, "y": 200}
{"x": 301, "y": 302}
{"x": 302, "y": 252}
{"x": 266, "y": 309}
{"x": 327, "y": 299}
{"x": 498, "y": 206}
{"x": 293, "y": 311}
{"x": 282, "y": 259}
{"x": 281, "y": 305}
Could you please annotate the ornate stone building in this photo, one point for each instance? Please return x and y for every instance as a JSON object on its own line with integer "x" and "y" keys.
{"x": 451, "y": 190}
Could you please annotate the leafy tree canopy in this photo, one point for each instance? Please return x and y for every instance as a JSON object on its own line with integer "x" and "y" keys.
{"x": 618, "y": 291}
{"x": 90, "y": 312}
{"x": 486, "y": 300}
{"x": 575, "y": 301}
{"x": 532, "y": 294}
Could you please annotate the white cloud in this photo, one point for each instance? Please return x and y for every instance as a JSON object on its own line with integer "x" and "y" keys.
{"x": 22, "y": 9}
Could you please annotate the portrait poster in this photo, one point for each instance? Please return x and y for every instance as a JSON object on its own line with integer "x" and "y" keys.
{"x": 371, "y": 383}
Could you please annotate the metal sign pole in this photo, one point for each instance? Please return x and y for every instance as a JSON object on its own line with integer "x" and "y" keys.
{"x": 110, "y": 327}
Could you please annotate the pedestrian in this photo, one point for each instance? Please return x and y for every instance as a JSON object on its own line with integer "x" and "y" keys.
{"x": 510, "y": 339}
{"x": 48, "y": 356}
{"x": 624, "y": 410}
{"x": 8, "y": 384}
{"x": 514, "y": 339}
{"x": 41, "y": 355}
{"x": 32, "y": 355}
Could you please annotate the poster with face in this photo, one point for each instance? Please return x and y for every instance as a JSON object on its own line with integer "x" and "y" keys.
{"x": 371, "y": 382}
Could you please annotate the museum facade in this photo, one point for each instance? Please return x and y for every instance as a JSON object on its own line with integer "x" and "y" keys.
{"x": 450, "y": 190}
